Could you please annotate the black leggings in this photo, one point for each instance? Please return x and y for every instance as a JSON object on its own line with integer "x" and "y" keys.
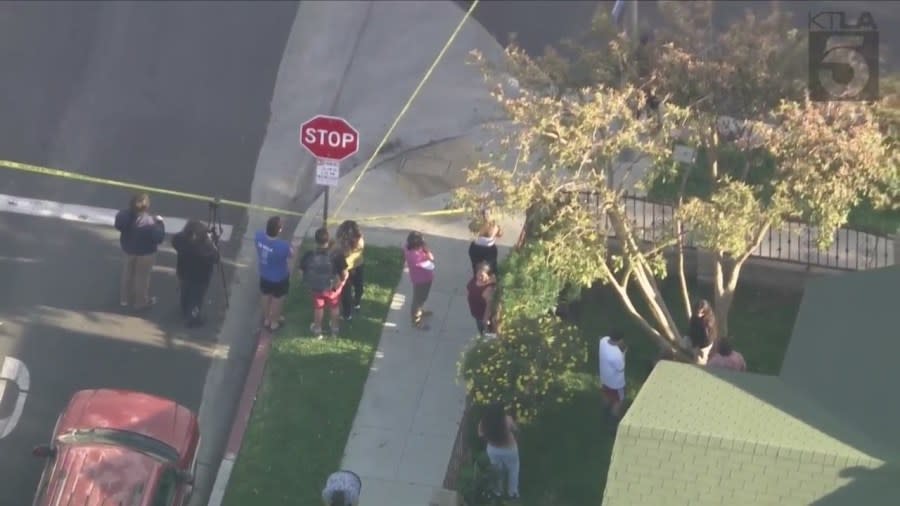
{"x": 192, "y": 293}
{"x": 353, "y": 291}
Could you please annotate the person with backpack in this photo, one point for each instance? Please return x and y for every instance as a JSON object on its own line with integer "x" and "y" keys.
{"x": 325, "y": 273}
{"x": 140, "y": 234}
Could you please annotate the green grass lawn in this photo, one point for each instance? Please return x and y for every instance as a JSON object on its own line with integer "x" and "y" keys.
{"x": 305, "y": 409}
{"x": 863, "y": 217}
{"x": 565, "y": 453}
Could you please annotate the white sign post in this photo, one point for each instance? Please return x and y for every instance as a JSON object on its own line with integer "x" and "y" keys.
{"x": 328, "y": 172}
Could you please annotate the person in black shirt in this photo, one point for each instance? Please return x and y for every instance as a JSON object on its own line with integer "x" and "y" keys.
{"x": 702, "y": 331}
{"x": 197, "y": 255}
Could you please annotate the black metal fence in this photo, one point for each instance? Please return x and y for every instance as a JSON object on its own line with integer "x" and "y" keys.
{"x": 793, "y": 242}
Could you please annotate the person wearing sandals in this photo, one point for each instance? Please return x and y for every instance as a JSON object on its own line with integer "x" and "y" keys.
{"x": 140, "y": 234}
{"x": 342, "y": 489}
{"x": 499, "y": 431}
{"x": 325, "y": 273}
{"x": 420, "y": 262}
{"x": 274, "y": 256}
{"x": 351, "y": 245}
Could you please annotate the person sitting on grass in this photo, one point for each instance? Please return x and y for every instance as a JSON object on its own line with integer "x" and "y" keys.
{"x": 324, "y": 272}
{"x": 342, "y": 489}
{"x": 726, "y": 358}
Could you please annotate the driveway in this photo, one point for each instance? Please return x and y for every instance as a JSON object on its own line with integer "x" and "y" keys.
{"x": 169, "y": 94}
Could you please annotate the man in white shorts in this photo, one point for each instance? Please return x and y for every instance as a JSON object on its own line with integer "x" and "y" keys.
{"x": 612, "y": 372}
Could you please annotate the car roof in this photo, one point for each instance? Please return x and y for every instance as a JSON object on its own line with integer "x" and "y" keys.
{"x": 97, "y": 474}
{"x": 162, "y": 419}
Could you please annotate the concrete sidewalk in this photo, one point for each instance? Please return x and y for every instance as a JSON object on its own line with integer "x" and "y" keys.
{"x": 403, "y": 434}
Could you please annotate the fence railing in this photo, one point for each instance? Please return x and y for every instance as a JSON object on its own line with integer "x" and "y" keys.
{"x": 794, "y": 242}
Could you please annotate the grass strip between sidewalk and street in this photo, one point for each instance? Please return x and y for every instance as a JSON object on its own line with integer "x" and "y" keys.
{"x": 306, "y": 405}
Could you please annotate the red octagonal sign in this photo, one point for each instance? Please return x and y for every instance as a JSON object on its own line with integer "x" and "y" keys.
{"x": 329, "y": 137}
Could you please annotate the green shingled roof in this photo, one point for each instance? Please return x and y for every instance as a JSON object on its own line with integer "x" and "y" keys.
{"x": 694, "y": 437}
{"x": 844, "y": 352}
{"x": 729, "y": 407}
{"x": 823, "y": 433}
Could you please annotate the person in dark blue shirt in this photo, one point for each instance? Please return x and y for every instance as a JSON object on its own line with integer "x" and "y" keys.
{"x": 140, "y": 233}
{"x": 274, "y": 257}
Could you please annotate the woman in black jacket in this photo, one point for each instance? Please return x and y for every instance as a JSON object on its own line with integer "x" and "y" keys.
{"x": 197, "y": 255}
{"x": 702, "y": 331}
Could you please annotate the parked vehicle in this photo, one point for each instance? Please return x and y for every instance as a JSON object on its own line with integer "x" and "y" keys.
{"x": 120, "y": 447}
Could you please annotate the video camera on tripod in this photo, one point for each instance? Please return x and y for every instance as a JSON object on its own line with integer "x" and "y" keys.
{"x": 214, "y": 228}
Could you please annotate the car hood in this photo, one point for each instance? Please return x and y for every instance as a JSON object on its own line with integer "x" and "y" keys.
{"x": 148, "y": 415}
{"x": 100, "y": 475}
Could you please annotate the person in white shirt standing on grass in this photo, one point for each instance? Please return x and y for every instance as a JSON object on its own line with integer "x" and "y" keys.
{"x": 612, "y": 372}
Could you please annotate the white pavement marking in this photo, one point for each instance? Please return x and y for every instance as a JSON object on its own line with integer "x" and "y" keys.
{"x": 81, "y": 214}
{"x": 13, "y": 370}
{"x": 222, "y": 477}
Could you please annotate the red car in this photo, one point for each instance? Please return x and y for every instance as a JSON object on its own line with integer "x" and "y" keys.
{"x": 120, "y": 447}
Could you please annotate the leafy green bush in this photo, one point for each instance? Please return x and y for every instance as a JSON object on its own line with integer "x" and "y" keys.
{"x": 528, "y": 366}
{"x": 528, "y": 288}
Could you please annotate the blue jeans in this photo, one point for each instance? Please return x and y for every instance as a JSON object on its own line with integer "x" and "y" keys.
{"x": 506, "y": 460}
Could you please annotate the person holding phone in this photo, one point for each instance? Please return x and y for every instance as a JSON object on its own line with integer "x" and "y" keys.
{"x": 420, "y": 262}
{"x": 140, "y": 234}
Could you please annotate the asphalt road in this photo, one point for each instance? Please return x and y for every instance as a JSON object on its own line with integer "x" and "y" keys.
{"x": 168, "y": 94}
{"x": 539, "y": 23}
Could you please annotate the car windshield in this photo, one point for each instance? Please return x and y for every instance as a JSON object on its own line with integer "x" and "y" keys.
{"x": 138, "y": 442}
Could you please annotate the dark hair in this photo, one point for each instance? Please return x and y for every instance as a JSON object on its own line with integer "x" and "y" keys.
{"x": 140, "y": 202}
{"x": 415, "y": 240}
{"x": 724, "y": 347}
{"x": 339, "y": 498}
{"x": 484, "y": 267}
{"x": 704, "y": 311}
{"x": 273, "y": 226}
{"x": 493, "y": 422}
{"x": 322, "y": 237}
{"x": 348, "y": 234}
{"x": 195, "y": 230}
{"x": 615, "y": 335}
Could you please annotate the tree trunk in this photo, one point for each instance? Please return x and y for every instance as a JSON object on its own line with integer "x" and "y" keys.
{"x": 679, "y": 234}
{"x": 712, "y": 154}
{"x": 666, "y": 326}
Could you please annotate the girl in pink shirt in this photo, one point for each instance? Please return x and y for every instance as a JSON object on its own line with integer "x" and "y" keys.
{"x": 420, "y": 262}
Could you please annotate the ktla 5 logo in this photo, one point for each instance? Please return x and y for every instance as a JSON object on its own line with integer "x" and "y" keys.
{"x": 843, "y": 57}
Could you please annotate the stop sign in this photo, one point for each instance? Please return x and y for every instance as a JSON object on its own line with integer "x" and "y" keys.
{"x": 329, "y": 137}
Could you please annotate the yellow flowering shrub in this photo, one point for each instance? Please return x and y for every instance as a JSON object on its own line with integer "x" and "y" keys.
{"x": 525, "y": 368}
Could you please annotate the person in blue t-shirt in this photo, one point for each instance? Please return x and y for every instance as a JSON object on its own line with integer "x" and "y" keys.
{"x": 274, "y": 256}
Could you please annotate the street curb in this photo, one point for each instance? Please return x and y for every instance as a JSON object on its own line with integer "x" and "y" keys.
{"x": 242, "y": 417}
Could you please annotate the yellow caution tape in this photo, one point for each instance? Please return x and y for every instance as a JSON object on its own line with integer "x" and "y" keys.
{"x": 47, "y": 171}
{"x": 406, "y": 106}
{"x": 64, "y": 174}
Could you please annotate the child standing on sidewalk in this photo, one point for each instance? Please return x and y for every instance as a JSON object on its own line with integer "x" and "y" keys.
{"x": 420, "y": 262}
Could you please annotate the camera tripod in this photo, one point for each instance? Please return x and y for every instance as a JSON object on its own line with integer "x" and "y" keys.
{"x": 214, "y": 224}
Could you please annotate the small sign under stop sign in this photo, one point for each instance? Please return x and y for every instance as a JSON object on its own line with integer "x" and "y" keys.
{"x": 328, "y": 172}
